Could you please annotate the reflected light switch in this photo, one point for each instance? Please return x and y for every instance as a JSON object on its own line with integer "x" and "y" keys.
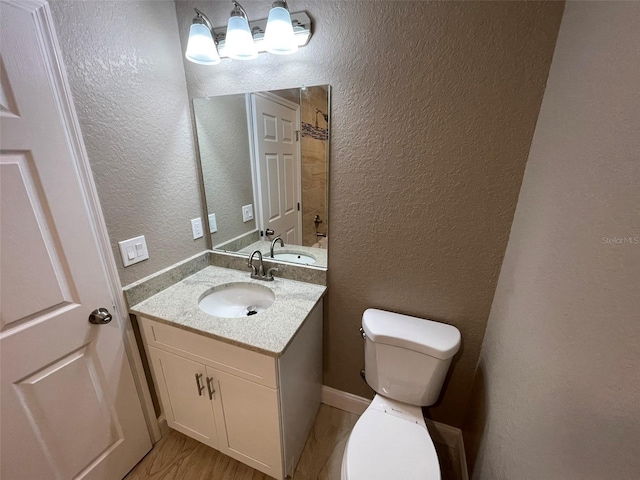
{"x": 213, "y": 226}
{"x": 247, "y": 213}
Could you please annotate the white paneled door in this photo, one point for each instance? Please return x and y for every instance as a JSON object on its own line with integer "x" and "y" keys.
{"x": 278, "y": 166}
{"x": 69, "y": 407}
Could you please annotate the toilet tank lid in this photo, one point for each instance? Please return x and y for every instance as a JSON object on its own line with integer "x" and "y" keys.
{"x": 436, "y": 339}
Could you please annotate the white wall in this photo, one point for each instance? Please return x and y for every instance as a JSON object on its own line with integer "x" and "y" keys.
{"x": 558, "y": 390}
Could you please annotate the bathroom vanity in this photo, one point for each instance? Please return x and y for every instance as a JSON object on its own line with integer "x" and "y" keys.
{"x": 247, "y": 386}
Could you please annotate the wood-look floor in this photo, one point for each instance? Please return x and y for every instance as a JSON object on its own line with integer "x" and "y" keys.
{"x": 178, "y": 457}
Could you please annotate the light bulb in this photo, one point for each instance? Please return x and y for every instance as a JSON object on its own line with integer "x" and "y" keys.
{"x": 201, "y": 48}
{"x": 239, "y": 41}
{"x": 278, "y": 36}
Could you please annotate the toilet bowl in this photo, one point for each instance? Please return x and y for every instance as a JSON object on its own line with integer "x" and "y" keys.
{"x": 390, "y": 441}
{"x": 406, "y": 361}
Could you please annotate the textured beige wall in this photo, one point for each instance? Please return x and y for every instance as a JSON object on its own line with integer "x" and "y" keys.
{"x": 223, "y": 141}
{"x": 433, "y": 110}
{"x": 125, "y": 69}
{"x": 558, "y": 390}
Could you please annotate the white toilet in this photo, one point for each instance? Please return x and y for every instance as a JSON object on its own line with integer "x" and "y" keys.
{"x": 406, "y": 361}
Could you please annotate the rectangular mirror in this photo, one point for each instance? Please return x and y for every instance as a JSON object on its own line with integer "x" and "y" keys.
{"x": 265, "y": 165}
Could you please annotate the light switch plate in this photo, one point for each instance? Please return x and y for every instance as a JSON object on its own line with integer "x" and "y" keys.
{"x": 247, "y": 213}
{"x": 196, "y": 227}
{"x": 133, "y": 250}
{"x": 213, "y": 226}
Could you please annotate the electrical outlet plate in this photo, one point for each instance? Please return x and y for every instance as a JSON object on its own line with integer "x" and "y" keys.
{"x": 213, "y": 226}
{"x": 133, "y": 250}
{"x": 247, "y": 213}
{"x": 196, "y": 228}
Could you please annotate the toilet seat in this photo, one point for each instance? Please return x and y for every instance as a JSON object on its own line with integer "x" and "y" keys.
{"x": 384, "y": 446}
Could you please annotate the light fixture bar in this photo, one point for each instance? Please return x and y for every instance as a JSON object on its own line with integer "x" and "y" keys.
{"x": 301, "y": 31}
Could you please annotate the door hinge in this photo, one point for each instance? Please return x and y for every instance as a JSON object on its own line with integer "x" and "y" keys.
{"x": 298, "y": 206}
{"x": 297, "y": 135}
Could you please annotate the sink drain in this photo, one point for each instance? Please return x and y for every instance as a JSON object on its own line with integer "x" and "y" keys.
{"x": 251, "y": 310}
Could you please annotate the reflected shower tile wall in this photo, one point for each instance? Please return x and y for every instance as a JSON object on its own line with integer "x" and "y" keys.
{"x": 314, "y": 144}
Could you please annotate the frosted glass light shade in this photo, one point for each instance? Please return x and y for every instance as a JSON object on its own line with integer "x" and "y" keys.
{"x": 278, "y": 36}
{"x": 239, "y": 41}
{"x": 201, "y": 47}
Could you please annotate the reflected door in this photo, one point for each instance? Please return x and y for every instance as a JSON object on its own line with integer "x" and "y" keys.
{"x": 69, "y": 404}
{"x": 277, "y": 153}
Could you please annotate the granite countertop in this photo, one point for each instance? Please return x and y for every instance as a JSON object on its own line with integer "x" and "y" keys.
{"x": 320, "y": 254}
{"x": 268, "y": 332}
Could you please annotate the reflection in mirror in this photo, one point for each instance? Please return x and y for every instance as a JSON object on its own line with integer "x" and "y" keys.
{"x": 264, "y": 159}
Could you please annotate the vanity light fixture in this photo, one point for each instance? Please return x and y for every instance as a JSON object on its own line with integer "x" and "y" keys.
{"x": 201, "y": 47}
{"x": 252, "y": 37}
{"x": 278, "y": 36}
{"x": 239, "y": 39}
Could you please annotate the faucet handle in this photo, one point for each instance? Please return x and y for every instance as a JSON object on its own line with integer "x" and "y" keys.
{"x": 270, "y": 273}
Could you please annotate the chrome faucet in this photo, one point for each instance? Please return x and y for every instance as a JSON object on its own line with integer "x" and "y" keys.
{"x": 258, "y": 272}
{"x": 260, "y": 269}
{"x": 273, "y": 244}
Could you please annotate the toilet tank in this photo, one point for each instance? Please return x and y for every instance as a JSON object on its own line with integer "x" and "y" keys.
{"x": 407, "y": 358}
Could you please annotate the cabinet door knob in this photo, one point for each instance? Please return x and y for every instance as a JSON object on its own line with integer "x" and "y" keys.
{"x": 199, "y": 385}
{"x": 210, "y": 387}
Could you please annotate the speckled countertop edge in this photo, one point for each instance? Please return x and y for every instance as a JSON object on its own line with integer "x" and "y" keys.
{"x": 319, "y": 254}
{"x": 291, "y": 271}
{"x": 269, "y": 332}
{"x": 149, "y": 286}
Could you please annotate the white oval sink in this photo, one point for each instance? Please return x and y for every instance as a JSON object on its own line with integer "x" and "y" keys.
{"x": 236, "y": 300}
{"x": 295, "y": 257}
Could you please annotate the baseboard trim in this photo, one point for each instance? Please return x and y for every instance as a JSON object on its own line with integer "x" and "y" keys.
{"x": 344, "y": 401}
{"x": 440, "y": 432}
{"x": 163, "y": 425}
{"x": 451, "y": 437}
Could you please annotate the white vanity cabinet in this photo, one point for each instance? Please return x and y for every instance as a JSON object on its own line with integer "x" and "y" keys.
{"x": 251, "y": 406}
{"x": 186, "y": 412}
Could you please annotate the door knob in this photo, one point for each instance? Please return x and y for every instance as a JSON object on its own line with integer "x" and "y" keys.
{"x": 100, "y": 316}
{"x": 269, "y": 232}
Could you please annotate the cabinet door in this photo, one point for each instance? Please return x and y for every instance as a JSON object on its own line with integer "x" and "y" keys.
{"x": 248, "y": 422}
{"x": 187, "y": 407}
